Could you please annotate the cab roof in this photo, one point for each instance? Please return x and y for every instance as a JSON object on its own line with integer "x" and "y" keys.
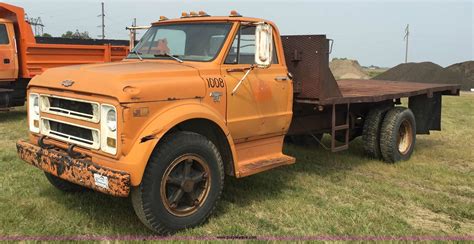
{"x": 209, "y": 19}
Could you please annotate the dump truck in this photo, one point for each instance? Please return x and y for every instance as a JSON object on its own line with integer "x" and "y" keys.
{"x": 24, "y": 56}
{"x": 203, "y": 97}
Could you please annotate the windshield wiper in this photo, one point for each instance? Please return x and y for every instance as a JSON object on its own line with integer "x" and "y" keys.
{"x": 169, "y": 55}
{"x": 138, "y": 54}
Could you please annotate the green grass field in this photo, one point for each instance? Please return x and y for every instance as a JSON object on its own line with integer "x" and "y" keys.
{"x": 322, "y": 194}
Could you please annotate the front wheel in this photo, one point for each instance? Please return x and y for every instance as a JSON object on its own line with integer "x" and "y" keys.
{"x": 63, "y": 185}
{"x": 181, "y": 184}
{"x": 398, "y": 135}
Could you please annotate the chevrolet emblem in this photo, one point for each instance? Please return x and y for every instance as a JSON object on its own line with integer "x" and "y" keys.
{"x": 67, "y": 83}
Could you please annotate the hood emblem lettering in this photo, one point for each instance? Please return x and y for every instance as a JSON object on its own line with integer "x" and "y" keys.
{"x": 67, "y": 83}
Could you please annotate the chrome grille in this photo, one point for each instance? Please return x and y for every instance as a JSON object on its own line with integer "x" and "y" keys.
{"x": 68, "y": 107}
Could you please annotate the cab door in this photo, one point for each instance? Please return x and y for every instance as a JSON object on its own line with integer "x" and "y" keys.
{"x": 8, "y": 53}
{"x": 262, "y": 103}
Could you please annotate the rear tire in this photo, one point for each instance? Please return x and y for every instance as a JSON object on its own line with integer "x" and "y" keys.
{"x": 398, "y": 135}
{"x": 371, "y": 132}
{"x": 63, "y": 185}
{"x": 181, "y": 185}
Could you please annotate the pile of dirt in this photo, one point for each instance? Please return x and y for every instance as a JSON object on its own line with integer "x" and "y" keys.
{"x": 347, "y": 69}
{"x": 428, "y": 72}
{"x": 466, "y": 69}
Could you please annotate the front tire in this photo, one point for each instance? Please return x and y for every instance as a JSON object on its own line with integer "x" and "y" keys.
{"x": 63, "y": 185}
{"x": 398, "y": 135}
{"x": 181, "y": 185}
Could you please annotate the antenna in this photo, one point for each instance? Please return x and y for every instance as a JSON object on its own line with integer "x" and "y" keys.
{"x": 407, "y": 33}
{"x": 102, "y": 15}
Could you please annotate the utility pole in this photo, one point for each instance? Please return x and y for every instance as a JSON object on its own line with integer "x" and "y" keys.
{"x": 37, "y": 25}
{"x": 102, "y": 15}
{"x": 407, "y": 33}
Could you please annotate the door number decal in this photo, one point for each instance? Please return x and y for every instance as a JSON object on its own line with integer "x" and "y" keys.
{"x": 215, "y": 82}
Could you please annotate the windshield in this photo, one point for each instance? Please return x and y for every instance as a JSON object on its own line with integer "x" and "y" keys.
{"x": 190, "y": 41}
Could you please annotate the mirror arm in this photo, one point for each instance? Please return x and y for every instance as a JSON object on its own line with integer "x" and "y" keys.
{"x": 242, "y": 80}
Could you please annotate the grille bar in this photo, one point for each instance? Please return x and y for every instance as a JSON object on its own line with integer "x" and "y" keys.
{"x": 69, "y": 107}
{"x": 70, "y": 133}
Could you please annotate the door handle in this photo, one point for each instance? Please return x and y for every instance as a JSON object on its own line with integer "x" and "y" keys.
{"x": 6, "y": 61}
{"x": 281, "y": 78}
{"x": 238, "y": 70}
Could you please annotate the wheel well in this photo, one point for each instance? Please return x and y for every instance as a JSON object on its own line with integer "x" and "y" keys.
{"x": 213, "y": 132}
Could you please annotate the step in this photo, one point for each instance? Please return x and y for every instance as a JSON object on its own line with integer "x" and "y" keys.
{"x": 341, "y": 127}
{"x": 264, "y": 164}
{"x": 340, "y": 148}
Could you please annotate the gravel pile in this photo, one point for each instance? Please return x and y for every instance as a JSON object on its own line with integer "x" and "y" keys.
{"x": 428, "y": 72}
{"x": 466, "y": 69}
{"x": 347, "y": 69}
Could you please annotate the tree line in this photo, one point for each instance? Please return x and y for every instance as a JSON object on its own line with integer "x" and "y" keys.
{"x": 71, "y": 35}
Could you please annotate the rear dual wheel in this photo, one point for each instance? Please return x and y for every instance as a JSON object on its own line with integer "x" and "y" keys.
{"x": 398, "y": 135}
{"x": 371, "y": 132}
{"x": 390, "y": 135}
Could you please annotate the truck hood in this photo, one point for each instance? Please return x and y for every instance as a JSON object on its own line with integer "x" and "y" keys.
{"x": 127, "y": 81}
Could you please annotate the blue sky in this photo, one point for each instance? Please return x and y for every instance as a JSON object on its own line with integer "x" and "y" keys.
{"x": 369, "y": 31}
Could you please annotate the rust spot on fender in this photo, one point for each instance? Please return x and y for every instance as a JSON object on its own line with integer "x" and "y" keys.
{"x": 78, "y": 171}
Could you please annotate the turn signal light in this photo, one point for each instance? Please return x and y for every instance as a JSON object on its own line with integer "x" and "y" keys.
{"x": 203, "y": 14}
{"x": 111, "y": 142}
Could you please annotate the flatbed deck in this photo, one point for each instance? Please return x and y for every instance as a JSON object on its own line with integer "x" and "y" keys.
{"x": 368, "y": 91}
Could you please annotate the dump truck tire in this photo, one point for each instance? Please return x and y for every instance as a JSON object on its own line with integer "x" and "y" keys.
{"x": 63, "y": 185}
{"x": 371, "y": 132}
{"x": 181, "y": 185}
{"x": 398, "y": 135}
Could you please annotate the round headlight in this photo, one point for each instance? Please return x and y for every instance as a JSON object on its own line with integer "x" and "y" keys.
{"x": 36, "y": 105}
{"x": 112, "y": 120}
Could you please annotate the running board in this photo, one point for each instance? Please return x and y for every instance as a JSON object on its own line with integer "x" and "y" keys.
{"x": 264, "y": 164}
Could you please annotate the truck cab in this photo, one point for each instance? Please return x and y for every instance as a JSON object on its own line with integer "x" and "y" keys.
{"x": 8, "y": 52}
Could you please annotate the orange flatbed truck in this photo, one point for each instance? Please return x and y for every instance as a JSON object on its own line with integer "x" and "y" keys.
{"x": 201, "y": 97}
{"x": 24, "y": 56}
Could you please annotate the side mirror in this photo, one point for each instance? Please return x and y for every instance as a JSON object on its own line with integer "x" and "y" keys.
{"x": 263, "y": 45}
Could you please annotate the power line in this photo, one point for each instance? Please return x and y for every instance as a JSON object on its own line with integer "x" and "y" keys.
{"x": 407, "y": 33}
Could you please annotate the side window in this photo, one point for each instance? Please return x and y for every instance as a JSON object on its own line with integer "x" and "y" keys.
{"x": 3, "y": 35}
{"x": 242, "y": 50}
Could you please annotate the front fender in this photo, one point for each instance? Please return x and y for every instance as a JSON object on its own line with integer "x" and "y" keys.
{"x": 161, "y": 123}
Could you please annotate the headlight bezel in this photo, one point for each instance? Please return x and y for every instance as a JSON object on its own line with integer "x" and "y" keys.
{"x": 108, "y": 131}
{"x": 34, "y": 113}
